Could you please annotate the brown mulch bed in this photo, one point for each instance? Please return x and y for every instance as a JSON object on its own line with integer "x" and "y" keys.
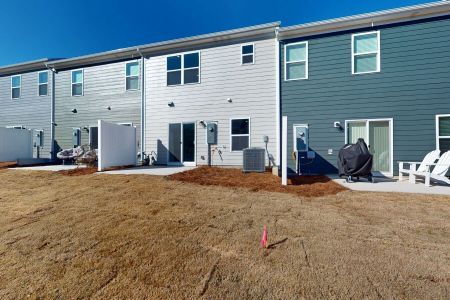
{"x": 305, "y": 185}
{"x": 7, "y": 164}
{"x": 78, "y": 171}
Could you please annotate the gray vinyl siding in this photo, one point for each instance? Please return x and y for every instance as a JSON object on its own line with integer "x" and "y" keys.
{"x": 104, "y": 85}
{"x": 30, "y": 110}
{"x": 252, "y": 89}
{"x": 412, "y": 87}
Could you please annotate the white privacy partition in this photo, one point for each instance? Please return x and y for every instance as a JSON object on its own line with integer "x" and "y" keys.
{"x": 15, "y": 144}
{"x": 116, "y": 145}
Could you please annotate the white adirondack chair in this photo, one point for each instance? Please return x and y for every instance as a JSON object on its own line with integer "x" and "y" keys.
{"x": 430, "y": 158}
{"x": 435, "y": 171}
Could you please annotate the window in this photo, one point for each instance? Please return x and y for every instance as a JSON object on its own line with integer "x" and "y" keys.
{"x": 132, "y": 76}
{"x": 247, "y": 52}
{"x": 16, "y": 82}
{"x": 443, "y": 132}
{"x": 183, "y": 69}
{"x": 43, "y": 83}
{"x": 240, "y": 134}
{"x": 366, "y": 52}
{"x": 77, "y": 83}
{"x": 296, "y": 61}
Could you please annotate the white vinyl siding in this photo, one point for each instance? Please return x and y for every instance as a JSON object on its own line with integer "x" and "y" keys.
{"x": 296, "y": 61}
{"x": 443, "y": 132}
{"x": 77, "y": 83}
{"x": 132, "y": 76}
{"x": 16, "y": 84}
{"x": 183, "y": 68}
{"x": 366, "y": 52}
{"x": 43, "y": 83}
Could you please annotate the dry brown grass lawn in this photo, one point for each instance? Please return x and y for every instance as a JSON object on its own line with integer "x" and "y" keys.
{"x": 145, "y": 237}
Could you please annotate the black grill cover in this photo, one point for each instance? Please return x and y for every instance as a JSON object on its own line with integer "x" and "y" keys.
{"x": 355, "y": 160}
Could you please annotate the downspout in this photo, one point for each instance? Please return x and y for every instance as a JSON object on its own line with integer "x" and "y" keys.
{"x": 52, "y": 114}
{"x": 142, "y": 156}
{"x": 277, "y": 95}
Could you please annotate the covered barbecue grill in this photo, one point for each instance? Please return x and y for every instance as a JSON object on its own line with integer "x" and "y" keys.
{"x": 355, "y": 160}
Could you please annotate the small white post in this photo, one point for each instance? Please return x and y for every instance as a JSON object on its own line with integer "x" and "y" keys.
{"x": 284, "y": 136}
{"x": 99, "y": 151}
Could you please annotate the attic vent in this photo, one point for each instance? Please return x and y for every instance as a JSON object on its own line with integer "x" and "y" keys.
{"x": 254, "y": 160}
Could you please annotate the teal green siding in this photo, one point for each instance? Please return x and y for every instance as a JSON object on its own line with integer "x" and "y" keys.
{"x": 412, "y": 87}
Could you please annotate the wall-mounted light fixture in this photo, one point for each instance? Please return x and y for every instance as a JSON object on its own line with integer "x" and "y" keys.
{"x": 74, "y": 110}
{"x": 85, "y": 128}
{"x": 108, "y": 107}
{"x": 202, "y": 123}
{"x": 229, "y": 100}
{"x": 338, "y": 125}
{"x": 171, "y": 104}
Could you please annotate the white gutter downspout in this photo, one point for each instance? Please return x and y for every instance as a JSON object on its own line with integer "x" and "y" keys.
{"x": 277, "y": 95}
{"x": 52, "y": 114}
{"x": 142, "y": 105}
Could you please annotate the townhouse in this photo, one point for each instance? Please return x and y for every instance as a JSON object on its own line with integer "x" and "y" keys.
{"x": 380, "y": 76}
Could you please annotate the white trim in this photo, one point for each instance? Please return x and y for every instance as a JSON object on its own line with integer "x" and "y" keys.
{"x": 182, "y": 162}
{"x": 129, "y": 76}
{"x": 248, "y": 54}
{"x": 16, "y": 87}
{"x": 306, "y": 61}
{"x": 39, "y": 83}
{"x": 231, "y": 134}
{"x": 284, "y": 164}
{"x": 72, "y": 83}
{"x": 16, "y": 127}
{"x": 438, "y": 137}
{"x": 184, "y": 69}
{"x": 277, "y": 100}
{"x": 126, "y": 124}
{"x": 378, "y": 52}
{"x": 390, "y": 173}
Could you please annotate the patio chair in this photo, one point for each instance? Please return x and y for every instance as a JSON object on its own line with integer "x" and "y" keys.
{"x": 428, "y": 159}
{"x": 439, "y": 171}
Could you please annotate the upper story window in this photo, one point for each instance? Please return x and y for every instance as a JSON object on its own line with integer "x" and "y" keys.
{"x": 16, "y": 82}
{"x": 183, "y": 68}
{"x": 296, "y": 61}
{"x": 248, "y": 53}
{"x": 77, "y": 82}
{"x": 443, "y": 132}
{"x": 240, "y": 134}
{"x": 132, "y": 76}
{"x": 43, "y": 83}
{"x": 366, "y": 52}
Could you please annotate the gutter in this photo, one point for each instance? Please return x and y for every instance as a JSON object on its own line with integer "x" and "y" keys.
{"x": 142, "y": 156}
{"x": 52, "y": 114}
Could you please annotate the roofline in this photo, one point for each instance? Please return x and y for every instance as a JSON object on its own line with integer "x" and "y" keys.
{"x": 28, "y": 66}
{"x": 138, "y": 51}
{"x": 396, "y": 15}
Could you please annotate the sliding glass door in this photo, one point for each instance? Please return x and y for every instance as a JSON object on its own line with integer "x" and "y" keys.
{"x": 182, "y": 144}
{"x": 377, "y": 133}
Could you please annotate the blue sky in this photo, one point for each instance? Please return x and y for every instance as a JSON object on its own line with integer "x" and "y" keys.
{"x": 53, "y": 28}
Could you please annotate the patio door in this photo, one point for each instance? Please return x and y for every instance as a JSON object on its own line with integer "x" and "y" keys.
{"x": 182, "y": 144}
{"x": 378, "y": 135}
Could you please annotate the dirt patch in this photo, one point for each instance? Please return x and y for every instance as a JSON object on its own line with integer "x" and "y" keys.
{"x": 306, "y": 186}
{"x": 145, "y": 237}
{"x": 78, "y": 171}
{"x": 8, "y": 164}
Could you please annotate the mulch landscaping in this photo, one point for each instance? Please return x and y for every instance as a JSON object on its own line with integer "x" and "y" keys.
{"x": 305, "y": 185}
{"x": 7, "y": 164}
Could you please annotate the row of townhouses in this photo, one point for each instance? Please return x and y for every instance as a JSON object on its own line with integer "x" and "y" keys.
{"x": 382, "y": 76}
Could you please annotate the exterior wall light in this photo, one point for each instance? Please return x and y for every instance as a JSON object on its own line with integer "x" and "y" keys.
{"x": 74, "y": 111}
{"x": 171, "y": 104}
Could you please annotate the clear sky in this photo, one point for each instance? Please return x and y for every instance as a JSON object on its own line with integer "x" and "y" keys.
{"x": 33, "y": 29}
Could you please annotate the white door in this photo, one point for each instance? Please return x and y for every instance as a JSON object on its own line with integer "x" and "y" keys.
{"x": 378, "y": 135}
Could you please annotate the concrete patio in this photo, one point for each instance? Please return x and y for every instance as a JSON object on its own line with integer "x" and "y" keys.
{"x": 150, "y": 170}
{"x": 393, "y": 185}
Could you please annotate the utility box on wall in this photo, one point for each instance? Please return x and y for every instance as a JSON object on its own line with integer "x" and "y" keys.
{"x": 211, "y": 133}
{"x": 76, "y": 137}
{"x": 38, "y": 138}
{"x": 301, "y": 137}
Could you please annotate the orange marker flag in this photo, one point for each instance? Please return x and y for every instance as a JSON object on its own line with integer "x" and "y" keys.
{"x": 263, "y": 242}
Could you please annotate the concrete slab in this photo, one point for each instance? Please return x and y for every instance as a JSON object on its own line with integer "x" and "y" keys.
{"x": 393, "y": 185}
{"x": 150, "y": 170}
{"x": 52, "y": 168}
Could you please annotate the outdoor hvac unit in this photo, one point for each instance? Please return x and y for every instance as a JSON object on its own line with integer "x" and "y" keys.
{"x": 254, "y": 160}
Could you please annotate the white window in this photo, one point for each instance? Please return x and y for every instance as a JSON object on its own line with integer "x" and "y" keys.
{"x": 132, "y": 76}
{"x": 296, "y": 61}
{"x": 183, "y": 68}
{"x": 443, "y": 132}
{"x": 366, "y": 52}
{"x": 43, "y": 83}
{"x": 240, "y": 134}
{"x": 77, "y": 82}
{"x": 16, "y": 82}
{"x": 248, "y": 54}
